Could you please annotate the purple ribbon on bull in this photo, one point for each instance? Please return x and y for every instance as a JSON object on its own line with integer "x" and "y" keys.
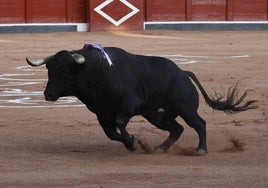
{"x": 100, "y": 47}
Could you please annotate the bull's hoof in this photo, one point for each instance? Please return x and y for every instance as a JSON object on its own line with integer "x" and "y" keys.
{"x": 140, "y": 145}
{"x": 136, "y": 142}
{"x": 201, "y": 152}
{"x": 133, "y": 144}
{"x": 160, "y": 149}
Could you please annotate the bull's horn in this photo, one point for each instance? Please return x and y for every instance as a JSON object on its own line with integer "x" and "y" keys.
{"x": 38, "y": 62}
{"x": 78, "y": 58}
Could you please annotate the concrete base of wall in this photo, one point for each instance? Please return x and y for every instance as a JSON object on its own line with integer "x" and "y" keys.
{"x": 207, "y": 26}
{"x": 43, "y": 28}
{"x": 183, "y": 26}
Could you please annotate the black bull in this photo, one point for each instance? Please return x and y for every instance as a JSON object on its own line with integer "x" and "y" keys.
{"x": 153, "y": 87}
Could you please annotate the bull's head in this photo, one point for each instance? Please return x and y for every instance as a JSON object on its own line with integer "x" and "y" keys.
{"x": 63, "y": 73}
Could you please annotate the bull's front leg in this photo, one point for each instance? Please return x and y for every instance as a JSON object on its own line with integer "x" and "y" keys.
{"x": 109, "y": 127}
{"x": 125, "y": 112}
{"x": 130, "y": 141}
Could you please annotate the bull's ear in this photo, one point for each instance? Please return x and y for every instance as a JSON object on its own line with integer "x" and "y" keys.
{"x": 78, "y": 58}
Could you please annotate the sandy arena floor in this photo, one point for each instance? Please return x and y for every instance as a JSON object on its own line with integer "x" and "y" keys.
{"x": 61, "y": 144}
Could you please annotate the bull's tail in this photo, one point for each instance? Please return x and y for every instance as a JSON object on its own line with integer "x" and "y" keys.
{"x": 229, "y": 105}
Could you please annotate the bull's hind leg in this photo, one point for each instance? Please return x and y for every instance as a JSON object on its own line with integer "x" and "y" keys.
{"x": 175, "y": 130}
{"x": 168, "y": 123}
{"x": 199, "y": 125}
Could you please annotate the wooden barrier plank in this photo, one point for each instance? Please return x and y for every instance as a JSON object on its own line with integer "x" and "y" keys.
{"x": 69, "y": 11}
{"x": 28, "y": 11}
{"x": 189, "y": 10}
{"x": 80, "y": 11}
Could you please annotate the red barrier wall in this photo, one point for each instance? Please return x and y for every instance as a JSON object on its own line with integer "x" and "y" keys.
{"x": 48, "y": 11}
{"x": 240, "y": 10}
{"x": 206, "y": 10}
{"x": 168, "y": 10}
{"x": 12, "y": 11}
{"x": 84, "y": 11}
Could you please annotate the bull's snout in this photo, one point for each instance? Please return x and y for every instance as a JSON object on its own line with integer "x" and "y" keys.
{"x": 50, "y": 96}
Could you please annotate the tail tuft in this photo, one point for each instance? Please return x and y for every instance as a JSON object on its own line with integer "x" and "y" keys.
{"x": 232, "y": 103}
